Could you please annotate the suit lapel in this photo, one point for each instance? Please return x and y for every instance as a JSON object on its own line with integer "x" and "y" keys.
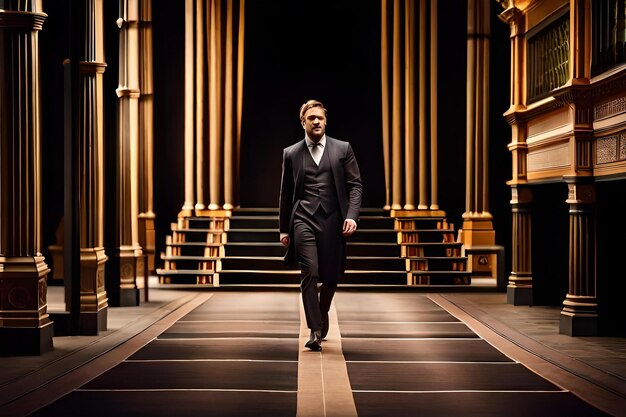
{"x": 332, "y": 157}
{"x": 299, "y": 162}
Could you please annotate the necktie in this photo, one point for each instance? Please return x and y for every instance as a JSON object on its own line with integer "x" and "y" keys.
{"x": 316, "y": 152}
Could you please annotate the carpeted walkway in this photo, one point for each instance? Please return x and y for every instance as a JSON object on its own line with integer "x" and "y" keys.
{"x": 241, "y": 354}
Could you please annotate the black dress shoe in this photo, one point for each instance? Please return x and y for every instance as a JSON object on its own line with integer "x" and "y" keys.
{"x": 324, "y": 325}
{"x": 315, "y": 341}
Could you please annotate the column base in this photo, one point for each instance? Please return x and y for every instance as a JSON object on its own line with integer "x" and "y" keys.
{"x": 578, "y": 325}
{"x": 129, "y": 297}
{"x": 147, "y": 239}
{"x": 89, "y": 323}
{"x": 519, "y": 296}
{"x": 24, "y": 341}
{"x": 93, "y": 322}
{"x": 127, "y": 267}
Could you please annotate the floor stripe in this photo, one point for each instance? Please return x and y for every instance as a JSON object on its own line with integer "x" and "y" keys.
{"x": 224, "y": 338}
{"x": 184, "y": 390}
{"x": 310, "y": 397}
{"x": 208, "y": 360}
{"x": 460, "y": 390}
{"x": 323, "y": 385}
{"x": 452, "y": 362}
{"x": 376, "y": 339}
{"x": 339, "y": 397}
{"x": 238, "y": 321}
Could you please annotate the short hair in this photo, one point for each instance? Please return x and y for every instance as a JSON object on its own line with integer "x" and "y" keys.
{"x": 309, "y": 105}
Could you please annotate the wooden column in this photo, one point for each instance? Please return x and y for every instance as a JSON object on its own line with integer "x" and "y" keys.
{"x": 520, "y": 287}
{"x": 477, "y": 231}
{"x": 579, "y": 316}
{"x": 409, "y": 107}
{"x": 25, "y": 326}
{"x": 396, "y": 112}
{"x": 188, "y": 204}
{"x": 214, "y": 34}
{"x": 146, "y": 136}
{"x": 386, "y": 122}
{"x": 93, "y": 297}
{"x": 434, "y": 132}
{"x": 520, "y": 281}
{"x": 130, "y": 265}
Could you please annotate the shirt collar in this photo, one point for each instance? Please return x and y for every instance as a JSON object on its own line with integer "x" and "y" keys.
{"x": 310, "y": 143}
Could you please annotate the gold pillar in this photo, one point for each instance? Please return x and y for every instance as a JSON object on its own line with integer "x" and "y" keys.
{"x": 25, "y": 326}
{"x": 200, "y": 125}
{"x": 434, "y": 133}
{"x": 579, "y": 316}
{"x": 130, "y": 264}
{"x": 409, "y": 101}
{"x": 146, "y": 136}
{"x": 409, "y": 98}
{"x": 189, "y": 107}
{"x": 215, "y": 110}
{"x": 423, "y": 89}
{"x": 213, "y": 90}
{"x": 396, "y": 112}
{"x": 93, "y": 297}
{"x": 477, "y": 225}
{"x": 229, "y": 117}
{"x": 384, "y": 72}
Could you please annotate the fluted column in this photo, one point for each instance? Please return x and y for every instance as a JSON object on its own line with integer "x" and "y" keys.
{"x": 146, "y": 136}
{"x": 396, "y": 112}
{"x": 25, "y": 326}
{"x": 520, "y": 286}
{"x": 130, "y": 261}
{"x": 93, "y": 297}
{"x": 386, "y": 116}
{"x": 188, "y": 205}
{"x": 477, "y": 225}
{"x": 434, "y": 131}
{"x": 214, "y": 42}
{"x": 520, "y": 282}
{"x": 409, "y": 101}
{"x": 477, "y": 234}
{"x": 579, "y": 316}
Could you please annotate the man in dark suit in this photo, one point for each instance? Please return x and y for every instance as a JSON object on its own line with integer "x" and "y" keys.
{"x": 320, "y": 199}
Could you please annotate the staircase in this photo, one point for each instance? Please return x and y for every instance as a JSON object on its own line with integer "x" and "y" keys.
{"x": 243, "y": 248}
{"x": 253, "y": 253}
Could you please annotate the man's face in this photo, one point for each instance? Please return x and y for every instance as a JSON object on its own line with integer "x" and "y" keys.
{"x": 314, "y": 123}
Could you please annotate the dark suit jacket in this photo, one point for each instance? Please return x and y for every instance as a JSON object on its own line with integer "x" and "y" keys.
{"x": 345, "y": 173}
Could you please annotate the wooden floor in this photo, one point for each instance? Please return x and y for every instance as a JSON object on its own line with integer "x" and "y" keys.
{"x": 388, "y": 353}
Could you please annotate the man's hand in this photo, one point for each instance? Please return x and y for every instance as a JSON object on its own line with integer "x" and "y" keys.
{"x": 284, "y": 240}
{"x": 349, "y": 227}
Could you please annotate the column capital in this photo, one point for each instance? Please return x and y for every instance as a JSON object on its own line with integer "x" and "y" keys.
{"x": 582, "y": 192}
{"x": 128, "y": 92}
{"x": 92, "y": 67}
{"x": 521, "y": 194}
{"x": 19, "y": 20}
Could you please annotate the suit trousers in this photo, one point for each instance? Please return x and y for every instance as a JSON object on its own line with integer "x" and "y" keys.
{"x": 321, "y": 254}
